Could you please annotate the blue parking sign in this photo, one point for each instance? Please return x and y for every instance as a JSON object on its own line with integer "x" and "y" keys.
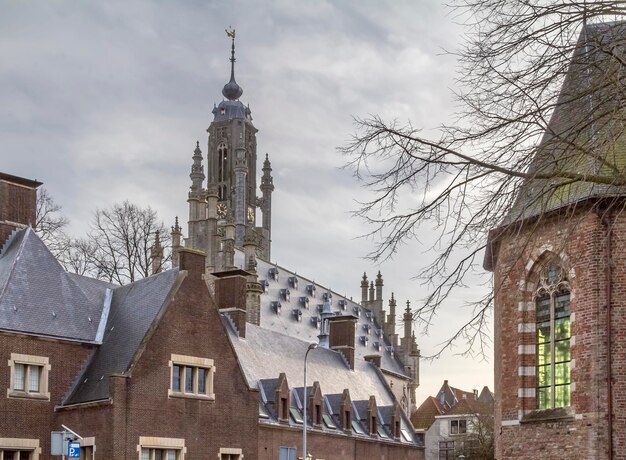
{"x": 73, "y": 449}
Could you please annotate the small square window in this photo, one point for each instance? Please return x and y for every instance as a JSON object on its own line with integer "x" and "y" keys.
{"x": 29, "y": 377}
{"x": 191, "y": 377}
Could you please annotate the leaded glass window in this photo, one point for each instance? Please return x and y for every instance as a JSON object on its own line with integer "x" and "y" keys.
{"x": 552, "y": 309}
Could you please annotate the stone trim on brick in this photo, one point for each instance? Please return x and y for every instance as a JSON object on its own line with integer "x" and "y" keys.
{"x": 526, "y": 328}
{"x": 150, "y": 442}
{"x": 21, "y": 443}
{"x": 197, "y": 362}
{"x": 29, "y": 360}
{"x": 230, "y": 451}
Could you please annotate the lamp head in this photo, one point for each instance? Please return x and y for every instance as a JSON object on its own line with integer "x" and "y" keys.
{"x": 313, "y": 346}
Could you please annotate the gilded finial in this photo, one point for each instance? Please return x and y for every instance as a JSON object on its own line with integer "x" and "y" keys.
{"x": 230, "y": 33}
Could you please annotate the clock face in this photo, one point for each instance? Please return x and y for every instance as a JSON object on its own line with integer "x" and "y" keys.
{"x": 250, "y": 215}
{"x": 222, "y": 210}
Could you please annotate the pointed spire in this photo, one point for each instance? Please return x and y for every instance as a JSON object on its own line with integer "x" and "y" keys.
{"x": 197, "y": 172}
{"x": 232, "y": 90}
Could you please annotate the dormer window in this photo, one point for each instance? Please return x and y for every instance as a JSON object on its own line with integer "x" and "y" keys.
{"x": 320, "y": 307}
{"x": 316, "y": 320}
{"x": 293, "y": 282}
{"x": 265, "y": 285}
{"x": 297, "y": 314}
{"x": 357, "y": 311}
{"x": 304, "y": 302}
{"x": 379, "y": 332}
{"x": 310, "y": 290}
{"x": 377, "y": 346}
{"x": 285, "y": 295}
{"x": 343, "y": 304}
{"x": 364, "y": 339}
{"x": 367, "y": 328}
{"x": 273, "y": 273}
{"x": 368, "y": 315}
{"x": 276, "y": 307}
{"x": 327, "y": 297}
{"x": 390, "y": 350}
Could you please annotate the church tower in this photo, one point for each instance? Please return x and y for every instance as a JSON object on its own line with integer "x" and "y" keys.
{"x": 229, "y": 201}
{"x": 232, "y": 164}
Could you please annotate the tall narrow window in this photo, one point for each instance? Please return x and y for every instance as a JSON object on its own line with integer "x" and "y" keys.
{"x": 222, "y": 165}
{"x": 552, "y": 307}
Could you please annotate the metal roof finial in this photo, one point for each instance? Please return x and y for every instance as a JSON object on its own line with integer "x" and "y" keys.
{"x": 232, "y": 90}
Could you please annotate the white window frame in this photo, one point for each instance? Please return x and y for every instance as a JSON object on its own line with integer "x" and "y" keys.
{"x": 458, "y": 426}
{"x": 230, "y": 451}
{"x": 31, "y": 363}
{"x": 21, "y": 444}
{"x": 195, "y": 363}
{"x": 150, "y": 442}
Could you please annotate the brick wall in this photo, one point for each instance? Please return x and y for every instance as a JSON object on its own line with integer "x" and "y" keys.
{"x": 33, "y": 418}
{"x": 330, "y": 447}
{"x": 18, "y": 204}
{"x": 190, "y": 326}
{"x": 580, "y": 431}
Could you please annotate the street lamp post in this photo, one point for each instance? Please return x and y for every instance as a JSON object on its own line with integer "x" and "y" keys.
{"x": 312, "y": 346}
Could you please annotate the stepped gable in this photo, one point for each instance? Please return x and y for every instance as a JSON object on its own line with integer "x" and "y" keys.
{"x": 37, "y": 296}
{"x": 134, "y": 308}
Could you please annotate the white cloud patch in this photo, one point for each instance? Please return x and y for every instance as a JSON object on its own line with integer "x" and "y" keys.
{"x": 104, "y": 101}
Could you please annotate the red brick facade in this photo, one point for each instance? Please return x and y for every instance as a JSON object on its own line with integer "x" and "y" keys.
{"x": 18, "y": 197}
{"x": 580, "y": 243}
{"x": 139, "y": 404}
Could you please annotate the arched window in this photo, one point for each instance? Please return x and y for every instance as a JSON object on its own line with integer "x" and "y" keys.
{"x": 222, "y": 162}
{"x": 552, "y": 307}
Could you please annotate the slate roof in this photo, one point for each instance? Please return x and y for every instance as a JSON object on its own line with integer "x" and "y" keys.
{"x": 585, "y": 134}
{"x": 134, "y": 308}
{"x": 308, "y": 330}
{"x": 265, "y": 353}
{"x": 38, "y": 296}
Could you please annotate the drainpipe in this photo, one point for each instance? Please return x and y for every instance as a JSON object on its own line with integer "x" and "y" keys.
{"x": 608, "y": 226}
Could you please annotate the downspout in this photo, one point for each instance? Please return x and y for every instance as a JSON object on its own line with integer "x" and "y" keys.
{"x": 608, "y": 225}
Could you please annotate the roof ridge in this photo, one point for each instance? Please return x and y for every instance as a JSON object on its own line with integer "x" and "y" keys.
{"x": 3, "y": 251}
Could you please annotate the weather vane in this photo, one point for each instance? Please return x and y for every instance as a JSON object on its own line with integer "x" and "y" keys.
{"x": 231, "y": 32}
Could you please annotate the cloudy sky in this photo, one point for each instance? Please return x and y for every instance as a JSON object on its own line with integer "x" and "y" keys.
{"x": 104, "y": 101}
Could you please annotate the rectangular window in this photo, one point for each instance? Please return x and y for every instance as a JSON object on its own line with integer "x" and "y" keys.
{"x": 229, "y": 453}
{"x": 446, "y": 450}
{"x": 458, "y": 426}
{"x": 160, "y": 454}
{"x": 191, "y": 377}
{"x": 19, "y": 449}
{"x": 287, "y": 453}
{"x": 29, "y": 377}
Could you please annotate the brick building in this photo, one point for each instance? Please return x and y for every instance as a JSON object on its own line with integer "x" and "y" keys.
{"x": 559, "y": 274}
{"x": 203, "y": 360}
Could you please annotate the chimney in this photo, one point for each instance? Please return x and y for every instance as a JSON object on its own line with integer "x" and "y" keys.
{"x": 341, "y": 336}
{"x": 18, "y": 204}
{"x": 230, "y": 296}
{"x": 192, "y": 260}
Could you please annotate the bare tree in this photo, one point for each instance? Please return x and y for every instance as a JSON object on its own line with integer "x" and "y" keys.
{"x": 118, "y": 246}
{"x": 477, "y": 443}
{"x": 541, "y": 97}
{"x": 50, "y": 224}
